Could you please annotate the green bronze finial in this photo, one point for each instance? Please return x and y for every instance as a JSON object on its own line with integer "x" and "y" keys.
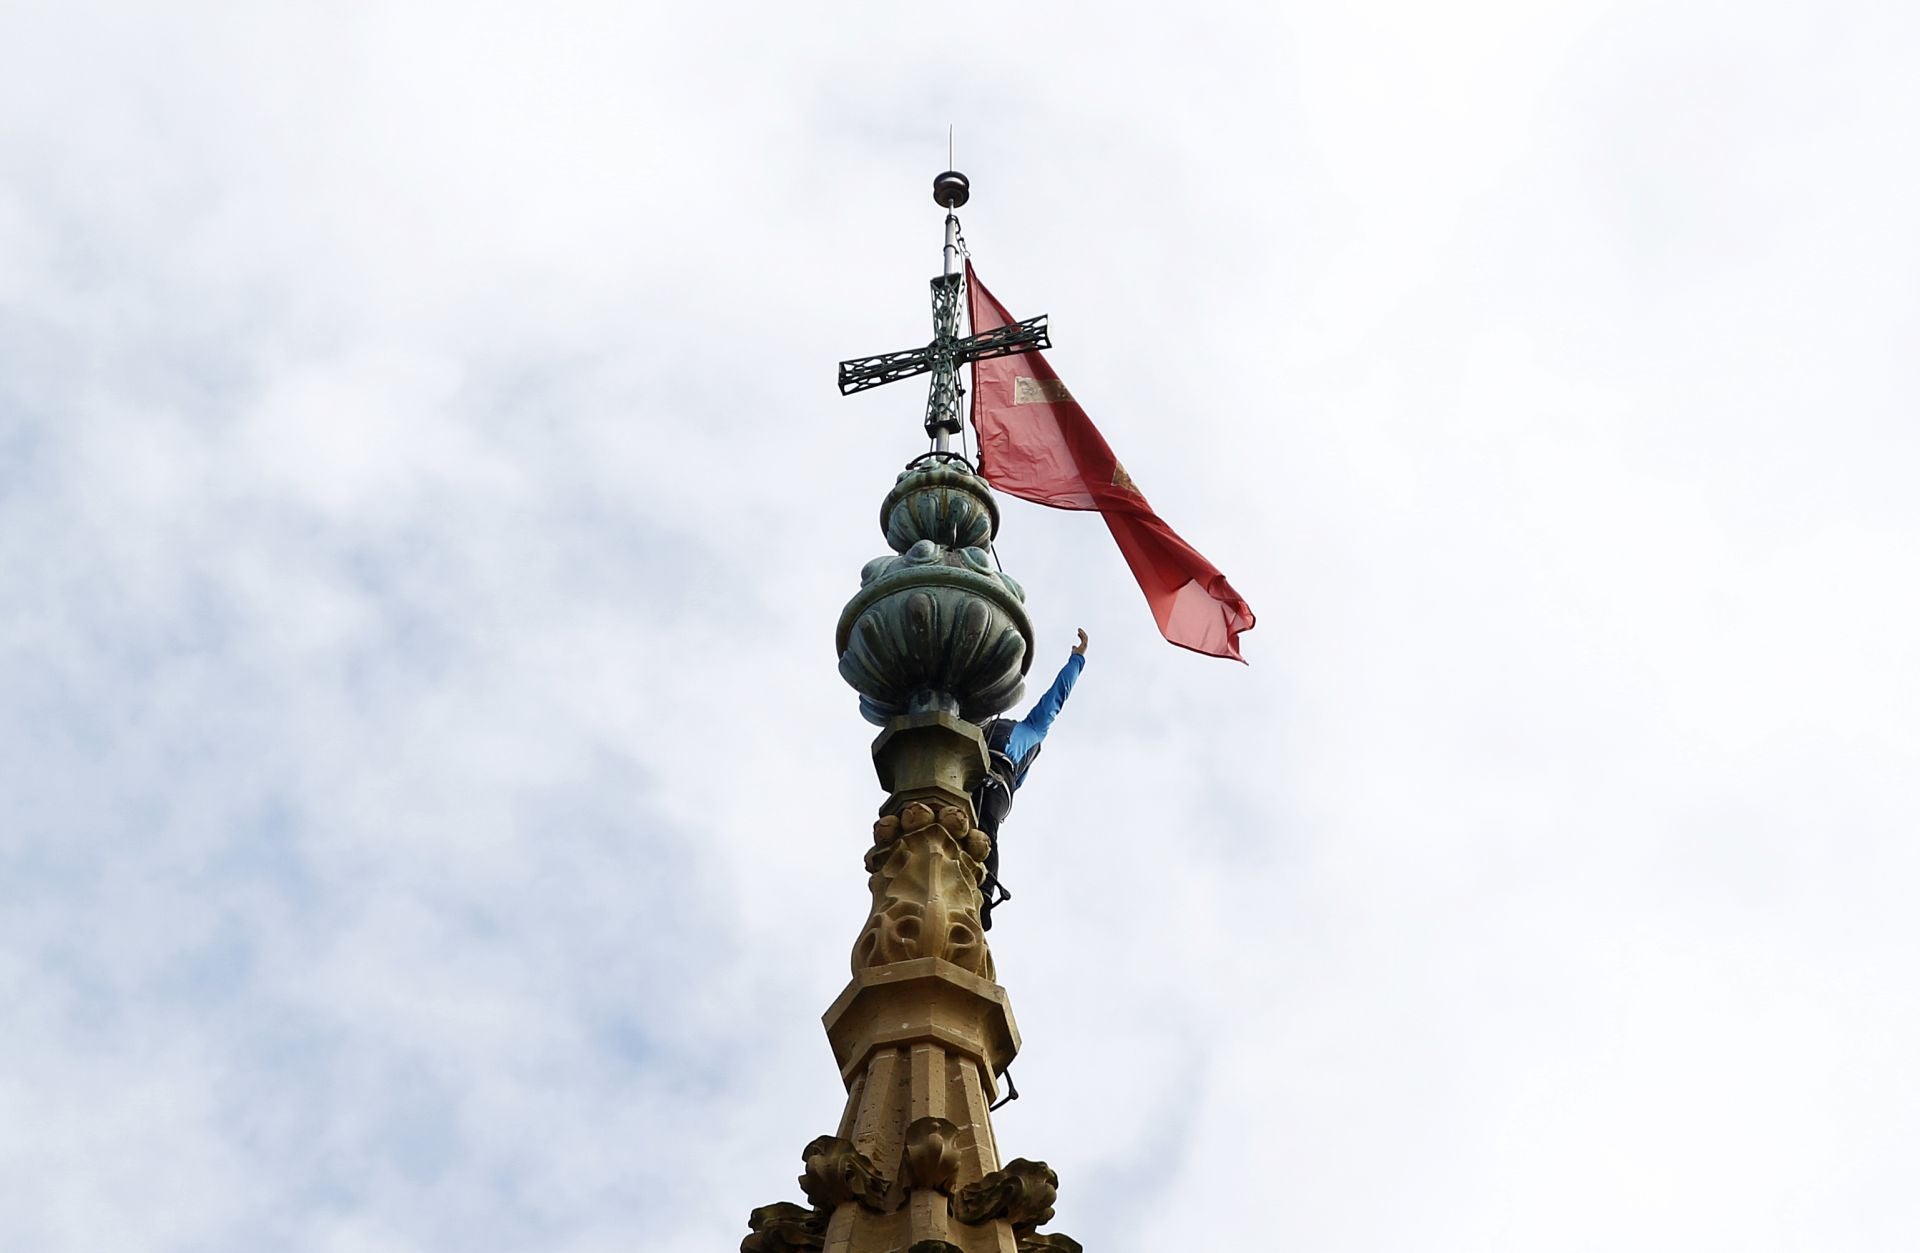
{"x": 936, "y": 628}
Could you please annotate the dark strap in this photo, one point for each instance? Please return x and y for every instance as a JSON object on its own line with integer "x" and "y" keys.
{"x": 1025, "y": 764}
{"x": 1013, "y": 1093}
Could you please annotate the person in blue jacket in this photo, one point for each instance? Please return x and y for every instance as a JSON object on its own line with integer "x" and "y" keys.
{"x": 1011, "y": 748}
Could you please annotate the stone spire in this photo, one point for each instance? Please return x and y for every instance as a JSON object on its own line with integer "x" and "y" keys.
{"x": 936, "y": 640}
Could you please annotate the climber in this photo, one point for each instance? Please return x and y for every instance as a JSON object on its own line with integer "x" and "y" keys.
{"x": 1011, "y": 748}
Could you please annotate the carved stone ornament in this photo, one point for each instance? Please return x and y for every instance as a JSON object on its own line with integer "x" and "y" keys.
{"x": 1023, "y": 1193}
{"x": 932, "y": 1155}
{"x": 934, "y": 1246}
{"x": 838, "y": 1172}
{"x": 925, "y": 877}
{"x": 1026, "y": 1240}
{"x": 786, "y": 1228}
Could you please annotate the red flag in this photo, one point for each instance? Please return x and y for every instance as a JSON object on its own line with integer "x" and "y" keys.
{"x": 1037, "y": 443}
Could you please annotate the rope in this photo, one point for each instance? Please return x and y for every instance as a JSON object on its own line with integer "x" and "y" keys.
{"x": 960, "y": 237}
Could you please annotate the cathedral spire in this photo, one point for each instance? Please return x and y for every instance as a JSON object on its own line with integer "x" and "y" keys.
{"x": 935, "y": 641}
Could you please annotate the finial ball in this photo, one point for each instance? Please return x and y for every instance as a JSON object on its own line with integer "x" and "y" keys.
{"x": 950, "y": 190}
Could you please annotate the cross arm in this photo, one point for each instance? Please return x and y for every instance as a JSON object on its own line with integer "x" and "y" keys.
{"x": 1004, "y": 341}
{"x": 861, "y": 373}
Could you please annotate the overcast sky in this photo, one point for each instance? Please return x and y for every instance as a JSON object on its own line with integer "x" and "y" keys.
{"x": 430, "y": 818}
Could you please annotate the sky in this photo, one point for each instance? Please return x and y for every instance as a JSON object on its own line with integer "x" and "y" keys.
{"x": 430, "y": 817}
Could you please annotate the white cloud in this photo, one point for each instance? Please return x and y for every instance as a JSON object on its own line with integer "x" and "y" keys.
{"x": 431, "y": 814}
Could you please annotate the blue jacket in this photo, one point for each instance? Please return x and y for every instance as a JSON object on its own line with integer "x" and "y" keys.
{"x": 1027, "y": 733}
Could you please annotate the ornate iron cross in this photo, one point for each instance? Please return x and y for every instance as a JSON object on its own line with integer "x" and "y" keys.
{"x": 944, "y": 357}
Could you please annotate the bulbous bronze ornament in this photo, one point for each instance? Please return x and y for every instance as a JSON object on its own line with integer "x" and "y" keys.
{"x": 937, "y": 626}
{"x": 942, "y": 499}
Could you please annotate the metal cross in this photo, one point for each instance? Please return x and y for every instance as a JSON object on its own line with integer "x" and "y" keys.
{"x": 944, "y": 357}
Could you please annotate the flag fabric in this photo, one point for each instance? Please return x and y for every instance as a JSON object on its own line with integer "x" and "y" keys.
{"x": 1037, "y": 443}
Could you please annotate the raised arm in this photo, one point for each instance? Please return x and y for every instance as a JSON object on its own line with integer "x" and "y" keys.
{"x": 1047, "y": 708}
